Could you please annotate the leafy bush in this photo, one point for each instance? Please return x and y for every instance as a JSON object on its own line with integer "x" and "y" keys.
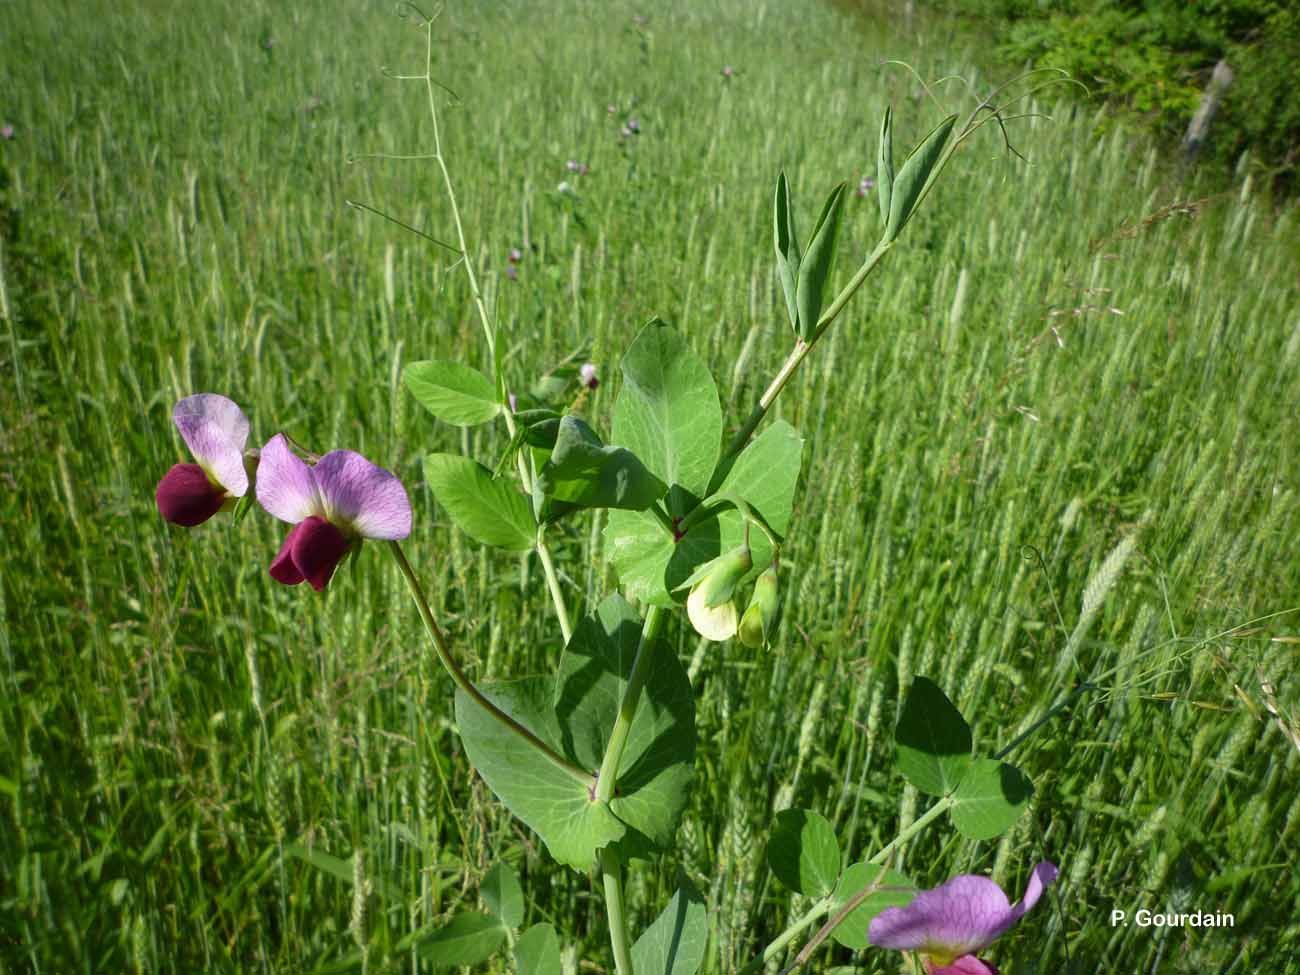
{"x": 1153, "y": 58}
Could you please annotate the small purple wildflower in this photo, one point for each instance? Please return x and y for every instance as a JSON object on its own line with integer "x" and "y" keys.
{"x": 634, "y": 126}
{"x": 587, "y": 375}
{"x": 216, "y": 430}
{"x": 512, "y": 272}
{"x": 6, "y": 131}
{"x": 728, "y": 71}
{"x": 516, "y": 255}
{"x": 332, "y": 506}
{"x": 952, "y": 922}
{"x": 574, "y": 166}
{"x": 866, "y": 185}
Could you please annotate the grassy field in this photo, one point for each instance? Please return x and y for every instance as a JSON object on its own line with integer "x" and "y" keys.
{"x": 1053, "y": 368}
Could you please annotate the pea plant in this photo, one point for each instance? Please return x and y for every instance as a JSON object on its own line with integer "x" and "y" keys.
{"x": 597, "y": 758}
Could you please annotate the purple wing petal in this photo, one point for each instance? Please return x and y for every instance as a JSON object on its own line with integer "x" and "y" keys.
{"x": 1044, "y": 876}
{"x": 359, "y": 495}
{"x": 286, "y": 486}
{"x": 960, "y": 917}
{"x": 215, "y": 430}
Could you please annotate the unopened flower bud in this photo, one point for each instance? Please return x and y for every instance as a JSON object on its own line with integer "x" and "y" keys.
{"x": 759, "y": 621}
{"x": 709, "y": 606}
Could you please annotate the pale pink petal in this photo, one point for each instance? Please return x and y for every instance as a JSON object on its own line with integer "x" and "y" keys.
{"x": 960, "y": 917}
{"x": 216, "y": 431}
{"x": 286, "y": 487}
{"x": 362, "y": 496}
{"x": 1044, "y": 876}
{"x": 965, "y": 965}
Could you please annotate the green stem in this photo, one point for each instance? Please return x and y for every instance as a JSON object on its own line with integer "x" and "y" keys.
{"x": 798, "y": 927}
{"x": 822, "y": 907}
{"x": 612, "y": 873}
{"x": 463, "y": 682}
{"x": 607, "y": 777}
{"x": 842, "y": 299}
{"x": 553, "y": 583}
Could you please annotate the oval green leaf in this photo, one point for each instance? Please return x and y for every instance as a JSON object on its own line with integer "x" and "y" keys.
{"x": 991, "y": 797}
{"x": 503, "y": 895}
{"x": 537, "y": 952}
{"x": 803, "y": 852}
{"x": 469, "y": 939}
{"x": 452, "y": 392}
{"x": 787, "y": 247}
{"x": 675, "y": 943}
{"x": 487, "y": 509}
{"x": 933, "y": 740}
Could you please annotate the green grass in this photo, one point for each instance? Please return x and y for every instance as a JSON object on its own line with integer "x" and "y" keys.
{"x": 1020, "y": 390}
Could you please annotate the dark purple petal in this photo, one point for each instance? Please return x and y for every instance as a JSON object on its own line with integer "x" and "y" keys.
{"x": 216, "y": 431}
{"x": 358, "y": 495}
{"x": 283, "y": 568}
{"x": 186, "y": 497}
{"x": 317, "y": 549}
{"x": 965, "y": 965}
{"x": 286, "y": 486}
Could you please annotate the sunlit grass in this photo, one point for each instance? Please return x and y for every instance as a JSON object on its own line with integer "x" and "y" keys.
{"x": 1035, "y": 377}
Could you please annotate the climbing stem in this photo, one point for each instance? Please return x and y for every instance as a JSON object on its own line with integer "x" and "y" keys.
{"x": 611, "y": 871}
{"x": 607, "y": 778}
{"x": 463, "y": 682}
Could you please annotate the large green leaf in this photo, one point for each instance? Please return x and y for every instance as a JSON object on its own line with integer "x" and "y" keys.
{"x": 558, "y": 807}
{"x": 668, "y": 412}
{"x": 803, "y": 852}
{"x": 469, "y": 939}
{"x": 933, "y": 740}
{"x": 537, "y": 952}
{"x": 651, "y": 566}
{"x": 583, "y": 471}
{"x": 503, "y": 895}
{"x": 991, "y": 797}
{"x": 452, "y": 392}
{"x": 654, "y": 775}
{"x": 893, "y": 890}
{"x": 489, "y": 510}
{"x": 574, "y": 714}
{"x": 675, "y": 943}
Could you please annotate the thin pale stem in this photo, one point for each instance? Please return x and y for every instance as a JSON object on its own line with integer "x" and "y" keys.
{"x": 607, "y": 777}
{"x": 489, "y": 330}
{"x": 553, "y": 583}
{"x": 463, "y": 682}
{"x": 612, "y": 873}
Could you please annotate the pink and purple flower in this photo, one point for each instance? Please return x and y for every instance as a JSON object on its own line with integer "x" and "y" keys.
{"x": 333, "y": 506}
{"x": 587, "y": 375}
{"x": 951, "y": 923}
{"x": 216, "y": 431}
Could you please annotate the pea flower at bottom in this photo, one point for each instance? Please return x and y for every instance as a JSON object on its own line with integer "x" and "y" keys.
{"x": 332, "y": 506}
{"x": 952, "y": 922}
